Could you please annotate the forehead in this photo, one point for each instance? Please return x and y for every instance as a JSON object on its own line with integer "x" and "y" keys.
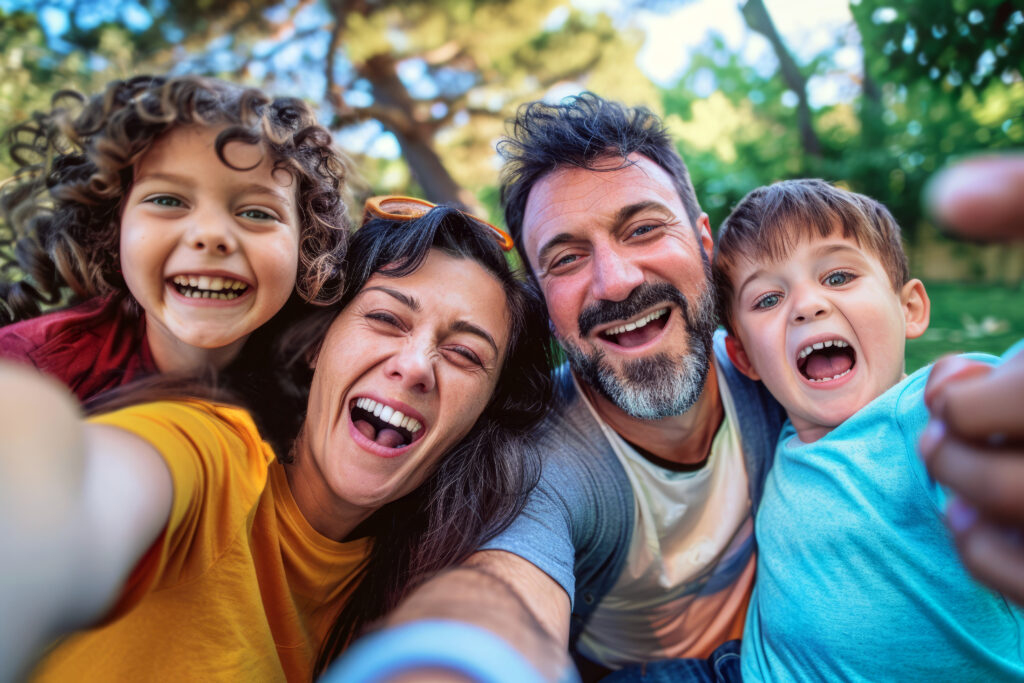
{"x": 176, "y": 152}
{"x": 802, "y": 249}
{"x": 576, "y": 200}
{"x": 449, "y": 289}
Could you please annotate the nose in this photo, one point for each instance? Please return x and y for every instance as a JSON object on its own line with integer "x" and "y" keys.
{"x": 211, "y": 231}
{"x": 413, "y": 366}
{"x": 809, "y": 304}
{"x": 615, "y": 276}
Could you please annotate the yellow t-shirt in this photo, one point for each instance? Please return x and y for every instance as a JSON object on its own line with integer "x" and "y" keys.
{"x": 238, "y": 587}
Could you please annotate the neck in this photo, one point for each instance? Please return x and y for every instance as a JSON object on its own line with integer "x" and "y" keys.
{"x": 329, "y": 516}
{"x": 684, "y": 439}
{"x": 172, "y": 355}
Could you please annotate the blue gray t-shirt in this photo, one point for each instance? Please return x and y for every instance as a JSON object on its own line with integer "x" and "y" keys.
{"x": 858, "y": 578}
{"x": 577, "y": 523}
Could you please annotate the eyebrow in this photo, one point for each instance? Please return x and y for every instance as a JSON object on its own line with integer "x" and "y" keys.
{"x": 457, "y": 326}
{"x": 827, "y": 250}
{"x": 248, "y": 188}
{"x": 621, "y": 216}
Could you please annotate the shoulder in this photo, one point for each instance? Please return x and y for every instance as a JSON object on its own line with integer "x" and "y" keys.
{"x": 199, "y": 440}
{"x": 64, "y": 341}
{"x": 576, "y": 454}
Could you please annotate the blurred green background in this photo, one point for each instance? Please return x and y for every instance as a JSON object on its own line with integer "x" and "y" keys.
{"x": 872, "y": 95}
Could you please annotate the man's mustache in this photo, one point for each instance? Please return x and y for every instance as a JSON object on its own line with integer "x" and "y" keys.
{"x": 641, "y": 298}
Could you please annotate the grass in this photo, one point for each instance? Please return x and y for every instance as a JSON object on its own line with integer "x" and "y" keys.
{"x": 968, "y": 317}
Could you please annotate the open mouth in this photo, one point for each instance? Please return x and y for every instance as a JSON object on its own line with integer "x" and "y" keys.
{"x": 639, "y": 331}
{"x": 384, "y": 425}
{"x": 828, "y": 360}
{"x": 209, "y": 287}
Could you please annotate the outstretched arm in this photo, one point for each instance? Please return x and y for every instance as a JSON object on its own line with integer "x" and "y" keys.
{"x": 494, "y": 590}
{"x": 975, "y": 441}
{"x": 79, "y": 505}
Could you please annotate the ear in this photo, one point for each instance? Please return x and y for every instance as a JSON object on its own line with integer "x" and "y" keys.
{"x": 704, "y": 233}
{"x": 916, "y": 308}
{"x": 738, "y": 356}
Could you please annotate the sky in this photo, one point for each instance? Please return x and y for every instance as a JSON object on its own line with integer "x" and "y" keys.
{"x": 807, "y": 28}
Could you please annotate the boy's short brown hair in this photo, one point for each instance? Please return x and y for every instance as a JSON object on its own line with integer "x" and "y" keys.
{"x": 771, "y": 220}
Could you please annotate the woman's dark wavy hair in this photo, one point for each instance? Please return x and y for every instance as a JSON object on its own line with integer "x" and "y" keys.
{"x": 481, "y": 483}
{"x": 582, "y": 131}
{"x": 76, "y": 162}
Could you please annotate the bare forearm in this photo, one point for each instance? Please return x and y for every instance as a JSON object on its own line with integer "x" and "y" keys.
{"x": 78, "y": 505}
{"x": 42, "y": 467}
{"x": 495, "y": 598}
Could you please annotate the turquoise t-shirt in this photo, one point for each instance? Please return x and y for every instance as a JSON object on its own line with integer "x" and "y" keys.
{"x": 857, "y": 575}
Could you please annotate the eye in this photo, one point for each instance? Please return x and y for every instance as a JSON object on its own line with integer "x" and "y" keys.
{"x": 165, "y": 200}
{"x": 838, "y": 278}
{"x": 643, "y": 230}
{"x": 766, "y": 301}
{"x": 386, "y": 318}
{"x": 563, "y": 262}
{"x": 466, "y": 354}
{"x": 257, "y": 215}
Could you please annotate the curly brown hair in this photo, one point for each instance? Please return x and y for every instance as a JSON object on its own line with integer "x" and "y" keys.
{"x": 76, "y": 162}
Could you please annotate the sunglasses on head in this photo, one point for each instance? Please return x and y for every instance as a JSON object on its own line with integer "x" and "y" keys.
{"x": 397, "y": 208}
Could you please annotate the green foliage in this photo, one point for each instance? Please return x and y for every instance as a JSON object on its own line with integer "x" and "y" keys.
{"x": 737, "y": 131}
{"x": 962, "y": 42}
{"x": 31, "y": 72}
{"x": 966, "y": 318}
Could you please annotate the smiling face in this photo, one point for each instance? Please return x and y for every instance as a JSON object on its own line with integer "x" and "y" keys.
{"x": 824, "y": 329}
{"x": 209, "y": 252}
{"x": 403, "y": 374}
{"x": 626, "y": 282}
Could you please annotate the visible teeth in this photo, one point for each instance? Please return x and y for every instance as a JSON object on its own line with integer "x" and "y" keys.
{"x": 388, "y": 414}
{"x": 806, "y": 351}
{"x": 829, "y": 379}
{"x": 637, "y": 324}
{"x": 209, "y": 287}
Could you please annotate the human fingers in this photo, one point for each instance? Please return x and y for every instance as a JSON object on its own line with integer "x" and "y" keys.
{"x": 981, "y": 198}
{"x": 985, "y": 408}
{"x": 995, "y": 556}
{"x": 951, "y": 369}
{"x": 989, "y": 480}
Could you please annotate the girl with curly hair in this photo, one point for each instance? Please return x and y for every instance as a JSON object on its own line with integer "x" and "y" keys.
{"x": 182, "y": 215}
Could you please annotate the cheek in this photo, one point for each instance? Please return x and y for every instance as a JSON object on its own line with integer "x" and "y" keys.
{"x": 563, "y": 304}
{"x": 276, "y": 263}
{"x": 138, "y": 254}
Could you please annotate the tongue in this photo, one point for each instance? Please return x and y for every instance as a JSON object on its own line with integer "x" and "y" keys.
{"x": 366, "y": 429}
{"x": 636, "y": 337}
{"x": 824, "y": 364}
{"x": 389, "y": 438}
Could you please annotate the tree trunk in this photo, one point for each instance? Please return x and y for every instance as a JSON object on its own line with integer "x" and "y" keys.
{"x": 757, "y": 18}
{"x": 872, "y": 129}
{"x": 415, "y": 136}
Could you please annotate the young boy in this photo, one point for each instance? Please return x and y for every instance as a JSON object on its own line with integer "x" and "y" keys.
{"x": 857, "y": 577}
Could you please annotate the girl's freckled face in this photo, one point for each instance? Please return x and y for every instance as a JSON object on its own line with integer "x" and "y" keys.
{"x": 209, "y": 252}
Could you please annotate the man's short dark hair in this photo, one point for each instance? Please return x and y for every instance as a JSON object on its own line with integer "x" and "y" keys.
{"x": 583, "y": 131}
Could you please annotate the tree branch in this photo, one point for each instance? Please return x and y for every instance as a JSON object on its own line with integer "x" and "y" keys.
{"x": 756, "y": 15}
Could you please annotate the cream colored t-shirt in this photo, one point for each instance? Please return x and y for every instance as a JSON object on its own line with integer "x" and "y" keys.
{"x": 690, "y": 570}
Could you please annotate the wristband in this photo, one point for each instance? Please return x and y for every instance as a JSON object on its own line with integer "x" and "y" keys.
{"x": 436, "y": 643}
